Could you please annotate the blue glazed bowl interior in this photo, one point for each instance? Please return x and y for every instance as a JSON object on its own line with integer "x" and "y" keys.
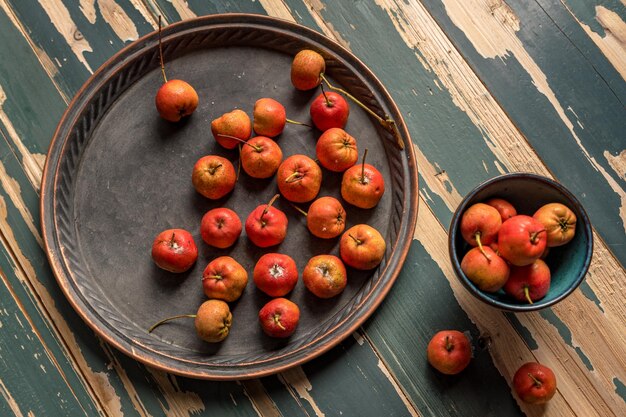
{"x": 527, "y": 192}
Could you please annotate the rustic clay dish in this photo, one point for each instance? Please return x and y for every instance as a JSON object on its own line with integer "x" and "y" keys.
{"x": 117, "y": 174}
{"x": 528, "y": 192}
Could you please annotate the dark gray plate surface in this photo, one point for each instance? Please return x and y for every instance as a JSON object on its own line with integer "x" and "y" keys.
{"x": 117, "y": 175}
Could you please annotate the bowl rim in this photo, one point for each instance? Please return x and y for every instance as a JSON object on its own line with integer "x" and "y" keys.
{"x": 583, "y": 220}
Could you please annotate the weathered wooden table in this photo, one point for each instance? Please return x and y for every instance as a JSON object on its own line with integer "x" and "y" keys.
{"x": 485, "y": 87}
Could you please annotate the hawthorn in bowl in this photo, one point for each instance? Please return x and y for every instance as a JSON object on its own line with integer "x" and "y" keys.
{"x": 528, "y": 193}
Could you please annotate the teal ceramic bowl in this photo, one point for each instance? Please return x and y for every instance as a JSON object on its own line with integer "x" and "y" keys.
{"x": 528, "y": 192}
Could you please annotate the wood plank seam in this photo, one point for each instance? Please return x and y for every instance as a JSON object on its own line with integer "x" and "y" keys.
{"x": 598, "y": 73}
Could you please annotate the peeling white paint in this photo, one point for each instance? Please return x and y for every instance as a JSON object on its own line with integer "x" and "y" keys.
{"x": 10, "y": 400}
{"x": 613, "y": 43}
{"x": 116, "y": 17}
{"x": 296, "y": 378}
{"x": 479, "y": 17}
{"x": 409, "y": 407}
{"x": 182, "y": 8}
{"x": 62, "y": 21}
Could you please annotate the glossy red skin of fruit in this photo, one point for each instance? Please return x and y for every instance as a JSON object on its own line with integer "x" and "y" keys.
{"x": 480, "y": 218}
{"x": 224, "y": 279}
{"x": 362, "y": 247}
{"x": 213, "y": 176}
{"x": 279, "y": 318}
{"x": 174, "y": 250}
{"x": 336, "y": 150}
{"x": 559, "y": 221}
{"x": 220, "y": 227}
{"x": 326, "y": 218}
{"x": 539, "y": 388}
{"x": 536, "y": 277}
{"x": 275, "y": 274}
{"x": 505, "y": 208}
{"x": 329, "y": 110}
{"x": 325, "y": 276}
{"x": 175, "y": 100}
{"x": 362, "y": 191}
{"x": 521, "y": 240}
{"x": 213, "y": 321}
{"x": 235, "y": 123}
{"x": 262, "y": 158}
{"x": 299, "y": 178}
{"x": 269, "y": 229}
{"x": 268, "y": 117}
{"x": 449, "y": 352}
{"x": 306, "y": 68}
{"x": 488, "y": 275}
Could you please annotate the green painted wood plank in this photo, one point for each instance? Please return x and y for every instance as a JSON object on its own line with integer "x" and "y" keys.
{"x": 597, "y": 116}
{"x": 479, "y": 390}
{"x": 569, "y": 15}
{"x": 155, "y": 392}
{"x": 31, "y": 101}
{"x": 24, "y": 359}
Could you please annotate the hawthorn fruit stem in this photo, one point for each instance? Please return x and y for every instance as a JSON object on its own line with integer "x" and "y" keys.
{"x": 299, "y": 209}
{"x": 239, "y": 162}
{"x": 363, "y": 167}
{"x": 449, "y": 345}
{"x": 533, "y": 236}
{"x": 328, "y": 102}
{"x": 293, "y": 122}
{"x": 293, "y": 177}
{"x": 480, "y": 246}
{"x": 277, "y": 321}
{"x": 357, "y": 241}
{"x": 265, "y": 210}
{"x": 180, "y": 316}
{"x": 535, "y": 380}
{"x": 387, "y": 122}
{"x": 213, "y": 169}
{"x": 527, "y": 294}
{"x": 255, "y": 147}
{"x": 161, "y": 52}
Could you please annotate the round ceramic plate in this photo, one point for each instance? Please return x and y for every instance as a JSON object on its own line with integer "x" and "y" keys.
{"x": 117, "y": 175}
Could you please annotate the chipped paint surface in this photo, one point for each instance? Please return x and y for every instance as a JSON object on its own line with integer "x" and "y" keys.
{"x": 296, "y": 379}
{"x": 12, "y": 188}
{"x": 119, "y": 21}
{"x": 409, "y": 407}
{"x": 33, "y": 165}
{"x": 43, "y": 58}
{"x": 62, "y": 21}
{"x": 261, "y": 401}
{"x": 277, "y": 8}
{"x": 179, "y": 403}
{"x": 613, "y": 43}
{"x": 182, "y": 8}
{"x": 477, "y": 17}
{"x": 15, "y": 408}
{"x": 88, "y": 7}
{"x": 617, "y": 163}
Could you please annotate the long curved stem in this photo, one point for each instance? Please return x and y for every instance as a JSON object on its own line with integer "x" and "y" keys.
{"x": 387, "y": 122}
{"x": 161, "y": 52}
{"x": 180, "y": 316}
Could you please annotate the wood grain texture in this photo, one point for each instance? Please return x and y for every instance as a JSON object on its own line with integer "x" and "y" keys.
{"x": 502, "y": 108}
{"x": 513, "y": 153}
{"x": 123, "y": 390}
{"x": 590, "y": 117}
